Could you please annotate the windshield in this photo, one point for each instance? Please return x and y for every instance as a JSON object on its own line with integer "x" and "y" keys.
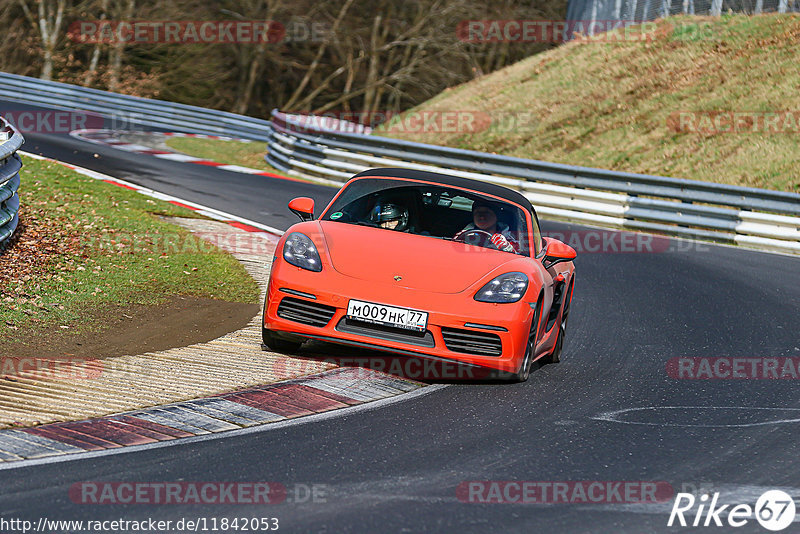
{"x": 437, "y": 211}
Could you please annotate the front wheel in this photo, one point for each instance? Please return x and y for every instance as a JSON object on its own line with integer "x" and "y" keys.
{"x": 530, "y": 349}
{"x": 277, "y": 344}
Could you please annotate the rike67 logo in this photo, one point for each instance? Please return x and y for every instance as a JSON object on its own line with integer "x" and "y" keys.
{"x": 774, "y": 510}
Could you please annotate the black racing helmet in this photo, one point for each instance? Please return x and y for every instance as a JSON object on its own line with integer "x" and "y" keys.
{"x": 384, "y": 212}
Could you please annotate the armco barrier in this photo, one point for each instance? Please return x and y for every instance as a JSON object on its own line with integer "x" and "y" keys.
{"x": 10, "y": 164}
{"x": 752, "y": 217}
{"x": 130, "y": 110}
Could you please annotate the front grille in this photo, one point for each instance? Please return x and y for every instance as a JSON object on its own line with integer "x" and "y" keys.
{"x": 472, "y": 342}
{"x": 303, "y": 311}
{"x": 388, "y": 333}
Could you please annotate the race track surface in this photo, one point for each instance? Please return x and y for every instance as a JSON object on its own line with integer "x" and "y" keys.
{"x": 397, "y": 467}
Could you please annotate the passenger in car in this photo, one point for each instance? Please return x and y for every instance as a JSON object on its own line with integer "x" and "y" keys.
{"x": 391, "y": 216}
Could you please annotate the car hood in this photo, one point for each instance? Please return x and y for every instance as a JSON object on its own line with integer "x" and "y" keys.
{"x": 424, "y": 263}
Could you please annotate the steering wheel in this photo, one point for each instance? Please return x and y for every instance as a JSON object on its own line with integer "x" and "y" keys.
{"x": 478, "y": 238}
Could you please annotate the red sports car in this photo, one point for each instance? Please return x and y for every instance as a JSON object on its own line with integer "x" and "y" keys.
{"x": 426, "y": 265}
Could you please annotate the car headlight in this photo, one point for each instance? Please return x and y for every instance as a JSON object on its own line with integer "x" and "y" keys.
{"x": 299, "y": 250}
{"x": 507, "y": 287}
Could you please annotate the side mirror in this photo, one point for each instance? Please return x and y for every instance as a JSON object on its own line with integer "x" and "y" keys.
{"x": 303, "y": 207}
{"x": 557, "y": 252}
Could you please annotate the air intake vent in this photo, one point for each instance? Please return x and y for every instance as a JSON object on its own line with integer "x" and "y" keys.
{"x": 303, "y": 311}
{"x": 472, "y": 342}
{"x": 558, "y": 295}
{"x": 423, "y": 339}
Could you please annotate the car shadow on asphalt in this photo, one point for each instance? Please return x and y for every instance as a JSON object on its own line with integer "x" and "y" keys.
{"x": 402, "y": 366}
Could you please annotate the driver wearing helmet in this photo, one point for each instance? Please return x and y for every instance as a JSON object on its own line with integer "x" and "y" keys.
{"x": 391, "y": 216}
{"x": 484, "y": 217}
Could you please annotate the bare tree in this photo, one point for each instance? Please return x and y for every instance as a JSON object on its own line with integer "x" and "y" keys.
{"x": 125, "y": 9}
{"x": 47, "y": 22}
{"x": 251, "y": 58}
{"x": 374, "y": 54}
{"x": 91, "y": 72}
{"x": 320, "y": 53}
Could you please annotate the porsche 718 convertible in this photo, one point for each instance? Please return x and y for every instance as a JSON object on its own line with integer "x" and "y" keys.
{"x": 423, "y": 265}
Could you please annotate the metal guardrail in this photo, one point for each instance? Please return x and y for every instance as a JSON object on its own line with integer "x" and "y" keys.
{"x": 10, "y": 164}
{"x": 684, "y": 208}
{"x": 301, "y": 146}
{"x": 125, "y": 111}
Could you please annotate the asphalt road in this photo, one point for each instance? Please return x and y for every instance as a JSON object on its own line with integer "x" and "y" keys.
{"x": 259, "y": 198}
{"x": 397, "y": 467}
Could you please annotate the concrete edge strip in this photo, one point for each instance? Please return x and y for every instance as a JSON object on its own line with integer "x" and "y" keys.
{"x": 106, "y": 137}
{"x": 222, "y": 414}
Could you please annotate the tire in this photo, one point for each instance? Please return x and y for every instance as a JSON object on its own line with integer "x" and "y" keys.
{"x": 555, "y": 356}
{"x": 525, "y": 367}
{"x": 276, "y": 344}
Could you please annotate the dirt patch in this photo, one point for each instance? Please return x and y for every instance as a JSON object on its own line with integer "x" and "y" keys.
{"x": 136, "y": 329}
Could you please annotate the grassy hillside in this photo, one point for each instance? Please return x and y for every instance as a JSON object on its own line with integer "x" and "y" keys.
{"x": 618, "y": 105}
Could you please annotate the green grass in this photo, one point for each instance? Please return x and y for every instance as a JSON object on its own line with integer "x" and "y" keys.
{"x": 611, "y": 104}
{"x": 228, "y": 152}
{"x": 87, "y": 246}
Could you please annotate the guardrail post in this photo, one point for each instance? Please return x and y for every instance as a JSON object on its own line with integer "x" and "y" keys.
{"x": 10, "y": 164}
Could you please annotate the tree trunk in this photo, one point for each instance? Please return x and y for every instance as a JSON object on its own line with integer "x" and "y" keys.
{"x": 47, "y": 24}
{"x": 320, "y": 52}
{"x": 256, "y": 65}
{"x": 372, "y": 72}
{"x": 88, "y": 80}
{"x": 118, "y": 50}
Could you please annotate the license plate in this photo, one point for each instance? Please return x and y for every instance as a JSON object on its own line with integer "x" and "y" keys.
{"x": 387, "y": 315}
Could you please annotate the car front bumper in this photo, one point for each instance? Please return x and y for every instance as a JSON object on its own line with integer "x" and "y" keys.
{"x": 456, "y": 322}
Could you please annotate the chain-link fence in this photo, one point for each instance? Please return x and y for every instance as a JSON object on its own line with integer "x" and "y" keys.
{"x": 642, "y": 10}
